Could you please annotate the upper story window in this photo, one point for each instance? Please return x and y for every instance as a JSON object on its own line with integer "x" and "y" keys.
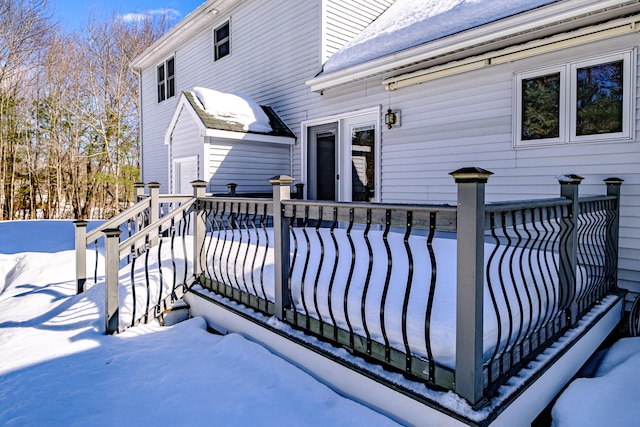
{"x": 166, "y": 79}
{"x": 222, "y": 41}
{"x": 589, "y": 100}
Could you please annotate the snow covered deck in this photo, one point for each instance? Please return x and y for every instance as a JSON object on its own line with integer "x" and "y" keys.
{"x": 392, "y": 293}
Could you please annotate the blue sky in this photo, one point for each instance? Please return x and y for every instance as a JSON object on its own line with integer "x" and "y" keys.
{"x": 74, "y": 13}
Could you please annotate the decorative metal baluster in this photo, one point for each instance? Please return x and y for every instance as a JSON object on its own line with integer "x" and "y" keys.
{"x": 363, "y": 303}
{"x": 345, "y": 302}
{"x": 267, "y": 244}
{"x": 333, "y": 272}
{"x": 407, "y": 291}
{"x": 293, "y": 264}
{"x": 432, "y": 291}
{"x": 492, "y": 294}
{"x": 320, "y": 266}
{"x": 306, "y": 265}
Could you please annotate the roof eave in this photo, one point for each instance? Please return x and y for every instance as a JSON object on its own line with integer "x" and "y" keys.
{"x": 191, "y": 23}
{"x": 542, "y": 22}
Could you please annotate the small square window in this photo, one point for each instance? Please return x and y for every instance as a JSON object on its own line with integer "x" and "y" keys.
{"x": 222, "y": 41}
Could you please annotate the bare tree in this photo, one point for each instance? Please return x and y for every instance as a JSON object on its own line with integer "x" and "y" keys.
{"x": 23, "y": 29}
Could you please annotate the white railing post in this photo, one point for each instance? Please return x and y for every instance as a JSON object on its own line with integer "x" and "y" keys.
{"x": 154, "y": 209}
{"x": 112, "y": 260}
{"x": 139, "y": 189}
{"x": 81, "y": 254}
{"x": 281, "y": 245}
{"x": 569, "y": 257}
{"x": 469, "y": 378}
{"x": 199, "y": 227}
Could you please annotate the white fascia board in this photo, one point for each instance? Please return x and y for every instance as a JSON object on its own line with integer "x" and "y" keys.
{"x": 254, "y": 137}
{"x": 538, "y": 23}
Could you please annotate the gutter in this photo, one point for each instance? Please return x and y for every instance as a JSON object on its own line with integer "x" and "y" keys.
{"x": 526, "y": 27}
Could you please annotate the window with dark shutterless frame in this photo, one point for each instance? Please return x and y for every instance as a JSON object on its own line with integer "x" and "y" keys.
{"x": 222, "y": 41}
{"x": 165, "y": 74}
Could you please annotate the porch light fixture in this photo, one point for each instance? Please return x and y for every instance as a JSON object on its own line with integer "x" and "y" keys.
{"x": 390, "y": 118}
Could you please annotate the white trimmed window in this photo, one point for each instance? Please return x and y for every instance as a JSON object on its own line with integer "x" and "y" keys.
{"x": 589, "y": 100}
{"x": 166, "y": 79}
{"x": 222, "y": 41}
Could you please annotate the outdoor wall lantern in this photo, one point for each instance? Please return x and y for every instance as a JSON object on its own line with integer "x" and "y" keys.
{"x": 390, "y": 118}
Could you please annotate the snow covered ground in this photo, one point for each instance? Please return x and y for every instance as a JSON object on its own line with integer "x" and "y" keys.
{"x": 57, "y": 368}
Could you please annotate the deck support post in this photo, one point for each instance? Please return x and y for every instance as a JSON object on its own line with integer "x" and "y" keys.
{"x": 281, "y": 245}
{"x": 154, "y": 209}
{"x": 613, "y": 189}
{"x": 112, "y": 261}
{"x": 469, "y": 377}
{"x": 81, "y": 254}
{"x": 569, "y": 254}
{"x": 199, "y": 227}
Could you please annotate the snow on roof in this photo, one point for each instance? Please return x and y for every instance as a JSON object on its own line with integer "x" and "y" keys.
{"x": 409, "y": 23}
{"x": 236, "y": 108}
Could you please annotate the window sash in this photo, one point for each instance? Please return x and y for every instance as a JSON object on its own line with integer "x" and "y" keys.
{"x": 222, "y": 41}
{"x": 572, "y": 118}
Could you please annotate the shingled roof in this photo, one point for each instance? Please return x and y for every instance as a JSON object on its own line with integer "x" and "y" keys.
{"x": 279, "y": 128}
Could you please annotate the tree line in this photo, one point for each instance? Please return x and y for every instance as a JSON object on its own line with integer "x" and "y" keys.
{"x": 69, "y": 122}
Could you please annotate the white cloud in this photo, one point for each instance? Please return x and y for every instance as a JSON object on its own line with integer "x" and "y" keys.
{"x": 139, "y": 16}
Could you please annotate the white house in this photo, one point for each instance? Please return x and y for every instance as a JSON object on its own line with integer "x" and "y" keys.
{"x": 526, "y": 89}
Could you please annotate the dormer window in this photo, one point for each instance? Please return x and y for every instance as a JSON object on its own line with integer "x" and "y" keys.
{"x": 222, "y": 41}
{"x": 166, "y": 79}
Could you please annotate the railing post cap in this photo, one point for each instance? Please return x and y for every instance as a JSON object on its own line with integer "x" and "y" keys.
{"x": 80, "y": 222}
{"x": 112, "y": 232}
{"x": 569, "y": 179}
{"x": 471, "y": 174}
{"x": 198, "y": 183}
{"x": 153, "y": 185}
{"x": 138, "y": 184}
{"x": 281, "y": 180}
{"x": 613, "y": 181}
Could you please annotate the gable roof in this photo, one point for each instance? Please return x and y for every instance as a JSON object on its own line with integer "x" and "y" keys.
{"x": 217, "y": 127}
{"x": 417, "y": 34}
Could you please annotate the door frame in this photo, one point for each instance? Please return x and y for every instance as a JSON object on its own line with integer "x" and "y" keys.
{"x": 341, "y": 147}
{"x": 176, "y": 169}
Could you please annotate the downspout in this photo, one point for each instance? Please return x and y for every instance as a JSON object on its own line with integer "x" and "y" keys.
{"x": 138, "y": 73}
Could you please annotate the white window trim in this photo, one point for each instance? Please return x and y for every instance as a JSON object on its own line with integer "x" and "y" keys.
{"x": 568, "y": 100}
{"x": 215, "y": 42}
{"x": 628, "y": 67}
{"x": 562, "y": 110}
{"x": 164, "y": 65}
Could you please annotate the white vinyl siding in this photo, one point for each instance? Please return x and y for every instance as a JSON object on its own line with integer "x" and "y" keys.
{"x": 186, "y": 142}
{"x": 247, "y": 164}
{"x": 345, "y": 19}
{"x": 467, "y": 120}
